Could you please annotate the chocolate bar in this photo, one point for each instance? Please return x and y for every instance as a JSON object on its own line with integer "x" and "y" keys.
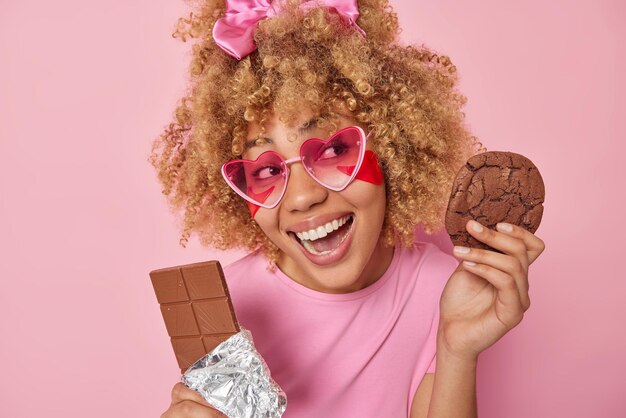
{"x": 196, "y": 308}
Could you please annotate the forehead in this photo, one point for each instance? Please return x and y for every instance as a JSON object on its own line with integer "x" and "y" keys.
{"x": 286, "y": 137}
{"x": 274, "y": 125}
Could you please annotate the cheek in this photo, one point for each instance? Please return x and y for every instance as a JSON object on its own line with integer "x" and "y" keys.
{"x": 370, "y": 200}
{"x": 370, "y": 171}
{"x": 266, "y": 219}
{"x": 253, "y": 209}
{"x": 372, "y": 192}
{"x": 368, "y": 192}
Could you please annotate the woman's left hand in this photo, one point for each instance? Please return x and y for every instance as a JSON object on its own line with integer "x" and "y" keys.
{"x": 488, "y": 293}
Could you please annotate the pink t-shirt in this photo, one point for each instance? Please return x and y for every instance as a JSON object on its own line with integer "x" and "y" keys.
{"x": 360, "y": 354}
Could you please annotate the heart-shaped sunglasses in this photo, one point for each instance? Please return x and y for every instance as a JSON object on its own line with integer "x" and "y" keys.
{"x": 333, "y": 163}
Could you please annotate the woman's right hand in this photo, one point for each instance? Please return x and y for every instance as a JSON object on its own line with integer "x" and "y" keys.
{"x": 187, "y": 403}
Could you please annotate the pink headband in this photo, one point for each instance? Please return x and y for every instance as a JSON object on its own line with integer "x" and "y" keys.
{"x": 234, "y": 33}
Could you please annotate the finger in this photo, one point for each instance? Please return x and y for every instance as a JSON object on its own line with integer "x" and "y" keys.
{"x": 509, "y": 310}
{"x": 504, "y": 262}
{"x": 508, "y": 264}
{"x": 191, "y": 409}
{"x": 534, "y": 245}
{"x": 181, "y": 393}
{"x": 506, "y": 243}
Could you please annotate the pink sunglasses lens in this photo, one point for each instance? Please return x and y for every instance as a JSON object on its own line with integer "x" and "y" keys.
{"x": 262, "y": 181}
{"x": 332, "y": 162}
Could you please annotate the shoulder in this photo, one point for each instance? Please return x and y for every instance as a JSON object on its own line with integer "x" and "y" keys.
{"x": 427, "y": 263}
{"x": 254, "y": 262}
{"x": 247, "y": 281}
{"x": 439, "y": 260}
{"x": 427, "y": 255}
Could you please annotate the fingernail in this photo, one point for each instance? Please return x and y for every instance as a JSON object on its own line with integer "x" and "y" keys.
{"x": 469, "y": 263}
{"x": 476, "y": 226}
{"x": 504, "y": 227}
{"x": 461, "y": 250}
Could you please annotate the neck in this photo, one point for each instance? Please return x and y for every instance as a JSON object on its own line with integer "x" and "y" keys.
{"x": 337, "y": 280}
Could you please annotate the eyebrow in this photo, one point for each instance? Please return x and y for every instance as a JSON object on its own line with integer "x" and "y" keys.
{"x": 305, "y": 127}
{"x": 251, "y": 143}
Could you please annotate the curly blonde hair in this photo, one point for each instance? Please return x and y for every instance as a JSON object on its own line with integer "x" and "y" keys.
{"x": 406, "y": 95}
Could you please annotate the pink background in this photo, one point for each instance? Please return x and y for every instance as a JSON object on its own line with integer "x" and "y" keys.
{"x": 86, "y": 86}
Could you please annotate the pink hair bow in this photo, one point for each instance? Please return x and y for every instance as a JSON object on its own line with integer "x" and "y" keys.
{"x": 234, "y": 32}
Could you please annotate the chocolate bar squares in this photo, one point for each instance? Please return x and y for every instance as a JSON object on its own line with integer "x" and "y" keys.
{"x": 196, "y": 308}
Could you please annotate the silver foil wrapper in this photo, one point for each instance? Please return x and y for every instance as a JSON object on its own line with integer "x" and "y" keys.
{"x": 234, "y": 379}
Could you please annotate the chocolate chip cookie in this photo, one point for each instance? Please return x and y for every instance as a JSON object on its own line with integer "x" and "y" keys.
{"x": 494, "y": 187}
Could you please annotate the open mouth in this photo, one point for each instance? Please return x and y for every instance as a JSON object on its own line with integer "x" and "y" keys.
{"x": 325, "y": 239}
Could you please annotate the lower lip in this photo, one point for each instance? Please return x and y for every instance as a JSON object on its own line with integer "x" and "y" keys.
{"x": 333, "y": 256}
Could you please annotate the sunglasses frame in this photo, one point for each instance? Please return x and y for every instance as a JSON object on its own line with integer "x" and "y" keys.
{"x": 286, "y": 163}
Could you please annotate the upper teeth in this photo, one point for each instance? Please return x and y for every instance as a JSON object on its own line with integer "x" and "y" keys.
{"x": 323, "y": 230}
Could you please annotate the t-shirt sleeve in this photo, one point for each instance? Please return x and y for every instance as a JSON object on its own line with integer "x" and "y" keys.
{"x": 431, "y": 368}
{"x": 432, "y": 341}
{"x": 447, "y": 265}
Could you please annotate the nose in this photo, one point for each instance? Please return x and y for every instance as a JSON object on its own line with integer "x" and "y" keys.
{"x": 302, "y": 191}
